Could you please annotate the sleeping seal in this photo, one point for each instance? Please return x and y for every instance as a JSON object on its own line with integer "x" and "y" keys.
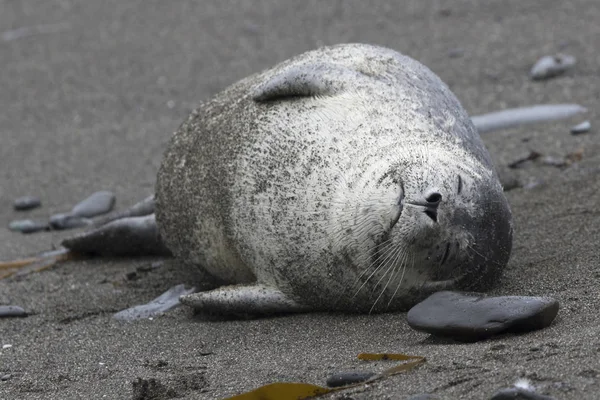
{"x": 347, "y": 178}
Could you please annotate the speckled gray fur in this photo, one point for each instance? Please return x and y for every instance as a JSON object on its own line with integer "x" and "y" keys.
{"x": 311, "y": 179}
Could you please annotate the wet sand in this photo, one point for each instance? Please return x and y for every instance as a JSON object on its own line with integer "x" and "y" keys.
{"x": 89, "y": 103}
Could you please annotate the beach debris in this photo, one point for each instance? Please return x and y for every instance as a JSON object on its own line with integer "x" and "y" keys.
{"x": 565, "y": 161}
{"x": 97, "y": 203}
{"x": 513, "y": 117}
{"x": 44, "y": 261}
{"x": 533, "y": 183}
{"x": 12, "y": 311}
{"x": 165, "y": 302}
{"x": 67, "y": 221}
{"x": 551, "y": 66}
{"x": 6, "y": 346}
{"x": 140, "y": 209}
{"x": 346, "y": 378}
{"x": 533, "y": 155}
{"x": 26, "y": 203}
{"x": 26, "y": 31}
{"x": 472, "y": 317}
{"x": 583, "y": 127}
{"x": 134, "y": 236}
{"x": 293, "y": 390}
{"x": 27, "y": 226}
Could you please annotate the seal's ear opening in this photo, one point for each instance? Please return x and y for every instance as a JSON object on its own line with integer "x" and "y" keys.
{"x": 306, "y": 80}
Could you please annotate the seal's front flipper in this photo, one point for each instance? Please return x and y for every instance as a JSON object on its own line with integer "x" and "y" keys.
{"x": 243, "y": 299}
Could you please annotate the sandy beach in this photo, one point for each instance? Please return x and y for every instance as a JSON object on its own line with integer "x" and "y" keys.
{"x": 92, "y": 91}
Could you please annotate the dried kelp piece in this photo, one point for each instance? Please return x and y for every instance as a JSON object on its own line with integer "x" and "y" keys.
{"x": 294, "y": 391}
{"x": 284, "y": 391}
{"x": 35, "y": 264}
{"x": 533, "y": 155}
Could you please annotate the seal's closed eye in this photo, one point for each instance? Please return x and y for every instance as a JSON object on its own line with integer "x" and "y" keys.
{"x": 303, "y": 81}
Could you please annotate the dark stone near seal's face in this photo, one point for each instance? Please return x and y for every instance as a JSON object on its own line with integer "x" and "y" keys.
{"x": 469, "y": 317}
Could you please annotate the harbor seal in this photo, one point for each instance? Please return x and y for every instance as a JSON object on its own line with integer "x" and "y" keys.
{"x": 347, "y": 178}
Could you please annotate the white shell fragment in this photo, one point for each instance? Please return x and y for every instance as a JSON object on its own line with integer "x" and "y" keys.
{"x": 551, "y": 66}
{"x": 581, "y": 128}
{"x": 525, "y": 115}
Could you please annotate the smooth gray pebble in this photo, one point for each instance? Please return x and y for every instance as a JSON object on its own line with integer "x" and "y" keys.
{"x": 551, "y": 66}
{"x": 96, "y": 204}
{"x": 26, "y": 203}
{"x": 424, "y": 396}
{"x": 68, "y": 221}
{"x": 5, "y": 377}
{"x": 27, "y": 226}
{"x": 12, "y": 311}
{"x": 347, "y": 378}
{"x": 583, "y": 127}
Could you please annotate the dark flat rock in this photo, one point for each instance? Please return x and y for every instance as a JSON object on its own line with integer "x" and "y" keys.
{"x": 467, "y": 317}
{"x": 347, "y": 378}
{"x": 26, "y": 203}
{"x": 519, "y": 394}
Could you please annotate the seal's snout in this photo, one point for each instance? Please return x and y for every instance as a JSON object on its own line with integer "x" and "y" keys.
{"x": 430, "y": 204}
{"x": 432, "y": 200}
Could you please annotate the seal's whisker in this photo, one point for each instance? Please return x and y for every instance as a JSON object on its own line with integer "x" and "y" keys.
{"x": 381, "y": 265}
{"x": 392, "y": 269}
{"x": 470, "y": 247}
{"x": 402, "y": 268}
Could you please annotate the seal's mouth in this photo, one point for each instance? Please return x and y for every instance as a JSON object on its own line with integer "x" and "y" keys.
{"x": 436, "y": 286}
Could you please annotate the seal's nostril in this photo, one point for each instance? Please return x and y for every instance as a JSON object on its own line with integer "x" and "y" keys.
{"x": 434, "y": 198}
{"x": 431, "y": 214}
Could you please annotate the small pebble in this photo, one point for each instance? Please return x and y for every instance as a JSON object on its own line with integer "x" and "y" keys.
{"x": 469, "y": 318}
{"x": 12, "y": 311}
{"x": 424, "y": 396}
{"x": 26, "y": 203}
{"x": 519, "y": 394}
{"x": 583, "y": 127}
{"x": 27, "y": 226}
{"x": 97, "y": 204}
{"x": 551, "y": 66}
{"x": 6, "y": 346}
{"x": 347, "y": 378}
{"x": 68, "y": 221}
{"x": 5, "y": 377}
{"x": 456, "y": 52}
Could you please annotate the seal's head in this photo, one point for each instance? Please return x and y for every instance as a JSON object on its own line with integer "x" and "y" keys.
{"x": 435, "y": 220}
